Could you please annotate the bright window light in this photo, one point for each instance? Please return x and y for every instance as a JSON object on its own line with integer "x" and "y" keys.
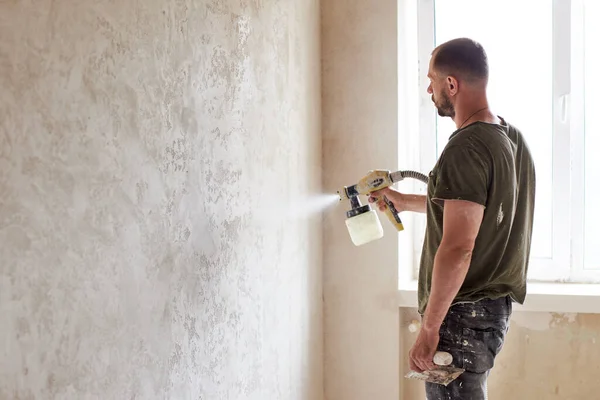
{"x": 520, "y": 85}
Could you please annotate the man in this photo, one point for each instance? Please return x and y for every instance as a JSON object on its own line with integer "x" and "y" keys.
{"x": 479, "y": 206}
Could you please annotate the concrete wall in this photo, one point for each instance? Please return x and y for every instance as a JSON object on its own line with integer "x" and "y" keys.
{"x": 152, "y": 158}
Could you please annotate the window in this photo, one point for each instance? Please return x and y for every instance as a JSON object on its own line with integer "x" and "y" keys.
{"x": 544, "y": 62}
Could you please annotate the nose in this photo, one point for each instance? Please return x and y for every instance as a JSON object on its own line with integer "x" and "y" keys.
{"x": 429, "y": 89}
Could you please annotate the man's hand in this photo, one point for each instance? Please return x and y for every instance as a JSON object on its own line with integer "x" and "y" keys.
{"x": 401, "y": 201}
{"x": 422, "y": 352}
{"x": 392, "y": 195}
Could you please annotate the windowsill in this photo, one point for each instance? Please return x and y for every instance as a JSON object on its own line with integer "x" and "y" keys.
{"x": 541, "y": 297}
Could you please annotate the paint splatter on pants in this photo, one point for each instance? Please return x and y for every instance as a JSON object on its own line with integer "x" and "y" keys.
{"x": 474, "y": 334}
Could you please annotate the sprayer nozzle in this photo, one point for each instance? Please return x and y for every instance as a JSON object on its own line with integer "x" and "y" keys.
{"x": 348, "y": 192}
{"x": 342, "y": 194}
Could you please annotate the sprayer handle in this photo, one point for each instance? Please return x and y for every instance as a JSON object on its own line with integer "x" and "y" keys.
{"x": 393, "y": 215}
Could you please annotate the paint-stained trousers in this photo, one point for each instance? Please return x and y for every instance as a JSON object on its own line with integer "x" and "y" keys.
{"x": 474, "y": 334}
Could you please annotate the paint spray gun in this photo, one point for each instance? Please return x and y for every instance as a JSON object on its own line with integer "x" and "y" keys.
{"x": 362, "y": 222}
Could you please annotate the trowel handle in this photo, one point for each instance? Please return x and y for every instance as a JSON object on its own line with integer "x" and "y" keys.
{"x": 442, "y": 358}
{"x": 392, "y": 214}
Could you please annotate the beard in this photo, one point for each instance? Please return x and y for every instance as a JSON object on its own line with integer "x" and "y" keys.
{"x": 444, "y": 107}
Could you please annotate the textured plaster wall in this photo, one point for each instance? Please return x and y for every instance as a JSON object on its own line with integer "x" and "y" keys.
{"x": 360, "y": 128}
{"x": 153, "y": 156}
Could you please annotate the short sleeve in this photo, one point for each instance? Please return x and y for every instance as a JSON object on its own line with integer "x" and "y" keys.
{"x": 462, "y": 174}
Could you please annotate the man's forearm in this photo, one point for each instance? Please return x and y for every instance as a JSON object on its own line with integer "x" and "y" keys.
{"x": 449, "y": 270}
{"x": 415, "y": 202}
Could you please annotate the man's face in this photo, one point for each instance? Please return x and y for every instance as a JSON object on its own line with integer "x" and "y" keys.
{"x": 439, "y": 94}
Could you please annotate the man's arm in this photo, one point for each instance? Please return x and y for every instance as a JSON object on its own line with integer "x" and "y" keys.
{"x": 462, "y": 220}
{"x": 414, "y": 202}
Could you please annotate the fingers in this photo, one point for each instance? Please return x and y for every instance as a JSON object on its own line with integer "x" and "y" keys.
{"x": 377, "y": 197}
{"x": 427, "y": 364}
{"x": 414, "y": 366}
{"x": 421, "y": 365}
{"x": 381, "y": 192}
{"x": 420, "y": 362}
{"x": 413, "y": 361}
{"x": 380, "y": 204}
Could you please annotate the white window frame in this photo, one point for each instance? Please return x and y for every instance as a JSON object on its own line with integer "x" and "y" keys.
{"x": 547, "y": 276}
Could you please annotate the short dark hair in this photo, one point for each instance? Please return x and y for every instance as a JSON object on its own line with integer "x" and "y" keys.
{"x": 463, "y": 58}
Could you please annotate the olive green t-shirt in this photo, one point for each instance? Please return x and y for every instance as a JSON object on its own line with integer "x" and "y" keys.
{"x": 489, "y": 164}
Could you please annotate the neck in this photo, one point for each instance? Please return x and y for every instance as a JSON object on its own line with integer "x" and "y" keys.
{"x": 475, "y": 108}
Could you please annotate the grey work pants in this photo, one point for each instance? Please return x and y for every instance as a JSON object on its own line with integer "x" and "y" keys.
{"x": 474, "y": 334}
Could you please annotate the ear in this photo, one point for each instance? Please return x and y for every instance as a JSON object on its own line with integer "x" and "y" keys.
{"x": 452, "y": 85}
